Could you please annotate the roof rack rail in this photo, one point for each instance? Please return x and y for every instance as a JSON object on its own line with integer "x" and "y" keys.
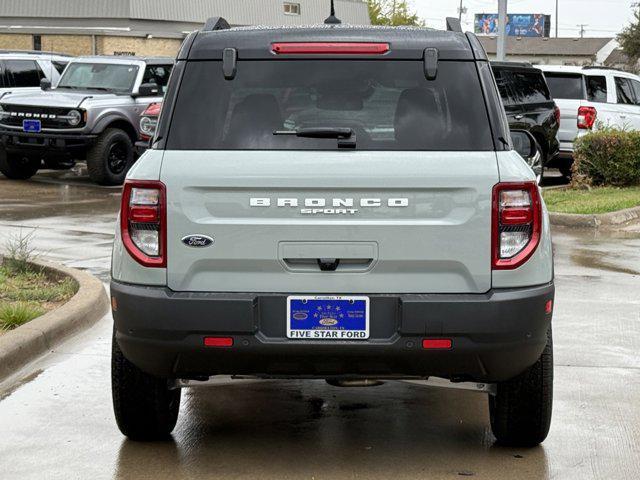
{"x": 453, "y": 25}
{"x": 216, "y": 23}
{"x": 599, "y": 67}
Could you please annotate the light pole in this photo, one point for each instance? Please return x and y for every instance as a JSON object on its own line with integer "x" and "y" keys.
{"x": 556, "y": 18}
{"x": 502, "y": 30}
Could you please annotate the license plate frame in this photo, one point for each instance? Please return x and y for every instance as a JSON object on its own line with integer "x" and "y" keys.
{"x": 328, "y": 317}
{"x": 30, "y": 125}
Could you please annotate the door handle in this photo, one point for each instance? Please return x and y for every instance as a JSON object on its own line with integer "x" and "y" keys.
{"x": 519, "y": 117}
{"x": 623, "y": 116}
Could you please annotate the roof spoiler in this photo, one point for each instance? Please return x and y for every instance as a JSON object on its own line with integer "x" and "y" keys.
{"x": 453, "y": 25}
{"x": 216, "y": 23}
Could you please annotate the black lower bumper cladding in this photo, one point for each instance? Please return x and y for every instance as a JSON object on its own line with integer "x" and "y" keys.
{"x": 494, "y": 336}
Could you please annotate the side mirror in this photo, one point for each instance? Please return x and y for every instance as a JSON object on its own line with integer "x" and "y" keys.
{"x": 45, "y": 84}
{"x": 526, "y": 145}
{"x": 149, "y": 90}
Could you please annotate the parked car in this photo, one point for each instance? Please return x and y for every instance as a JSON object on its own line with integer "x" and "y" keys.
{"x": 92, "y": 114}
{"x": 23, "y": 70}
{"x": 529, "y": 106}
{"x": 589, "y": 97}
{"x": 148, "y": 125}
{"x": 334, "y": 203}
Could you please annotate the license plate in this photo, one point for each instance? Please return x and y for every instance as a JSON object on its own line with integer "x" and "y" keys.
{"x": 327, "y": 318}
{"x": 31, "y": 126}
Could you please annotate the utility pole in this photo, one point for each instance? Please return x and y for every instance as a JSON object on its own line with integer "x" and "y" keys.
{"x": 502, "y": 30}
{"x": 582, "y": 30}
{"x": 461, "y": 10}
{"x": 556, "y": 18}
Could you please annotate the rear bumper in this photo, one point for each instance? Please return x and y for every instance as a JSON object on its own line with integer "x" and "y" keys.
{"x": 45, "y": 144}
{"x": 495, "y": 336}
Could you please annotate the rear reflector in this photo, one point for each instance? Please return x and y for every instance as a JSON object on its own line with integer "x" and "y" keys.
{"x": 436, "y": 343}
{"x": 323, "y": 48}
{"x": 218, "y": 342}
{"x": 548, "y": 308}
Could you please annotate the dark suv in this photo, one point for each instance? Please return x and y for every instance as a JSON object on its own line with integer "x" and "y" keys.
{"x": 529, "y": 106}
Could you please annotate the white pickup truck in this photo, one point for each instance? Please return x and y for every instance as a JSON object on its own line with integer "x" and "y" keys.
{"x": 589, "y": 97}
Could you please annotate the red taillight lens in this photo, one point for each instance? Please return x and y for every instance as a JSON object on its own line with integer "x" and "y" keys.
{"x": 218, "y": 342}
{"x": 143, "y": 222}
{"x": 328, "y": 48}
{"x": 556, "y": 113}
{"x": 587, "y": 117}
{"x": 516, "y": 225}
{"x": 437, "y": 343}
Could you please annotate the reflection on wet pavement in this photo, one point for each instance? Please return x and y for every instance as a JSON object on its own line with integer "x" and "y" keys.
{"x": 57, "y": 423}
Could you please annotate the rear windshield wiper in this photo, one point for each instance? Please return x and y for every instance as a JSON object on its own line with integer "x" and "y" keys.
{"x": 346, "y": 136}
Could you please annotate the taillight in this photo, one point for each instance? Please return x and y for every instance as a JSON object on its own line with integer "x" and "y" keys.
{"x": 516, "y": 225}
{"x": 587, "y": 117}
{"x": 556, "y": 113}
{"x": 329, "y": 48}
{"x": 143, "y": 224}
{"x": 149, "y": 121}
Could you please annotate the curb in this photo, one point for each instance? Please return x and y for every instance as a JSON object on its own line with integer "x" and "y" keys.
{"x": 604, "y": 220}
{"x": 26, "y": 343}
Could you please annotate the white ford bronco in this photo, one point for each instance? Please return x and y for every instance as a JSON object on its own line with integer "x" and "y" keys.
{"x": 333, "y": 202}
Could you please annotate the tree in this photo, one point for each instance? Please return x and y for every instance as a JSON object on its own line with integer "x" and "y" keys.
{"x": 629, "y": 39}
{"x": 393, "y": 13}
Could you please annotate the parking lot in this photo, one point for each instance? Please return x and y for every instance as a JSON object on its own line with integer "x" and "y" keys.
{"x": 59, "y": 420}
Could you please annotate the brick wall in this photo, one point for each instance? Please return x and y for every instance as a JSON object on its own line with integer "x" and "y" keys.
{"x": 69, "y": 44}
{"x": 138, "y": 46}
{"x": 13, "y": 41}
{"x": 82, "y": 44}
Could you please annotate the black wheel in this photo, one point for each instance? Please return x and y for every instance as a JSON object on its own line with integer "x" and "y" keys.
{"x": 144, "y": 406}
{"x": 566, "y": 172}
{"x": 109, "y": 160}
{"x": 17, "y": 167}
{"x": 521, "y": 410}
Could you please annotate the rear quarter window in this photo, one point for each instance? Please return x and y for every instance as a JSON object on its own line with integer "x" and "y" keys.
{"x": 565, "y": 86}
{"x": 390, "y": 105}
{"x": 596, "y": 88}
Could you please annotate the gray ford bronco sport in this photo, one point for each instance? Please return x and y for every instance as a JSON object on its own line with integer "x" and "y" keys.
{"x": 92, "y": 114}
{"x": 333, "y": 202}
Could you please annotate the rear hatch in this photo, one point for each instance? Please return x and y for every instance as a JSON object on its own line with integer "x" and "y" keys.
{"x": 402, "y": 205}
{"x": 569, "y": 92}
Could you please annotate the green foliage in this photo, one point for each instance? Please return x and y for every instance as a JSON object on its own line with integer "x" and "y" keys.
{"x": 20, "y": 252}
{"x": 392, "y": 13}
{"x": 593, "y": 200}
{"x": 607, "y": 156}
{"x": 629, "y": 38}
{"x": 13, "y": 315}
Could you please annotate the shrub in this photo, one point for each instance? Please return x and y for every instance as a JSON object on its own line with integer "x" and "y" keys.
{"x": 607, "y": 156}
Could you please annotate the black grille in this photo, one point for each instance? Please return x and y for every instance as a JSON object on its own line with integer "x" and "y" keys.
{"x": 14, "y": 115}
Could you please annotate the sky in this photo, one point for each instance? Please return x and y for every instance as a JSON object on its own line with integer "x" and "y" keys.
{"x": 604, "y": 18}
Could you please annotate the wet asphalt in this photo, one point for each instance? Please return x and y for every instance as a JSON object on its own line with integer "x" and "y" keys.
{"x": 56, "y": 420}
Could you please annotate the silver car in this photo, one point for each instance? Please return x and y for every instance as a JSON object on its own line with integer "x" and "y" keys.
{"x": 93, "y": 113}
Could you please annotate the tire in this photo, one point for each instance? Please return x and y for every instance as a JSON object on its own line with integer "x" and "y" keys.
{"x": 144, "y": 406}
{"x": 521, "y": 410}
{"x": 17, "y": 167}
{"x": 109, "y": 160}
{"x": 566, "y": 172}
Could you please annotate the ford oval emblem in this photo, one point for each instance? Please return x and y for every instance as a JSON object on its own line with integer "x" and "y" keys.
{"x": 197, "y": 241}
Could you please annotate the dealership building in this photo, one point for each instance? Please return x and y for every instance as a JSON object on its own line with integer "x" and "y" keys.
{"x": 147, "y": 27}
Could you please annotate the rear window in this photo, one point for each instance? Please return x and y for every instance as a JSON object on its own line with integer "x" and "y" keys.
{"x": 531, "y": 86}
{"x": 390, "y": 105}
{"x": 565, "y": 86}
